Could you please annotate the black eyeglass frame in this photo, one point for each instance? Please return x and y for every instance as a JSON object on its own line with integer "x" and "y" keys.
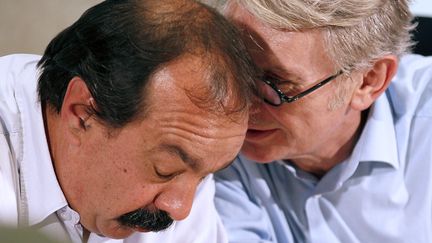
{"x": 289, "y": 99}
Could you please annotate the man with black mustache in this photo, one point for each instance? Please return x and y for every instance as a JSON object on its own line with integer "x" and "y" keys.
{"x": 126, "y": 114}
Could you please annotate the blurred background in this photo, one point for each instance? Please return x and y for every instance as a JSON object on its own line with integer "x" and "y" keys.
{"x": 26, "y": 26}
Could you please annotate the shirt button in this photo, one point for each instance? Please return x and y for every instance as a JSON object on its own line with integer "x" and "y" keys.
{"x": 65, "y": 216}
{"x": 78, "y": 227}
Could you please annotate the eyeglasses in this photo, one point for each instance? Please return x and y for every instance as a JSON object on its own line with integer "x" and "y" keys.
{"x": 276, "y": 96}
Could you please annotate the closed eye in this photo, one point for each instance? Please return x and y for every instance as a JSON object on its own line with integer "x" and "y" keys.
{"x": 164, "y": 176}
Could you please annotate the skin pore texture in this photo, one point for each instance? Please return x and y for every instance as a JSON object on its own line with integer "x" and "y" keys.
{"x": 153, "y": 163}
{"x": 320, "y": 130}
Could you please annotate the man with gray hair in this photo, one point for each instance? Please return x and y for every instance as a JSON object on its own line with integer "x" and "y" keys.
{"x": 340, "y": 148}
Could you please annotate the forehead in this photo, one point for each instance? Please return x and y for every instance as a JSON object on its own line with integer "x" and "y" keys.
{"x": 178, "y": 85}
{"x": 297, "y": 51}
{"x": 170, "y": 95}
{"x": 184, "y": 72}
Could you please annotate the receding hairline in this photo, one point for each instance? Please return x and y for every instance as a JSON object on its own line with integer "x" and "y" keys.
{"x": 198, "y": 93}
{"x": 176, "y": 10}
{"x": 196, "y": 17}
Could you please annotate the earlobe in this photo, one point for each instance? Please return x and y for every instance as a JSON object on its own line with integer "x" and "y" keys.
{"x": 77, "y": 108}
{"x": 374, "y": 82}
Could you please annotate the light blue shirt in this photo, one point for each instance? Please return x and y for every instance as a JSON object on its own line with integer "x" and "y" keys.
{"x": 381, "y": 193}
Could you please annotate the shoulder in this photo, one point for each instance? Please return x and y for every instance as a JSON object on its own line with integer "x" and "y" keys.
{"x": 241, "y": 174}
{"x": 410, "y": 92}
{"x": 245, "y": 180}
{"x": 15, "y": 70}
{"x": 17, "y": 75}
{"x": 410, "y": 96}
{"x": 17, "y": 61}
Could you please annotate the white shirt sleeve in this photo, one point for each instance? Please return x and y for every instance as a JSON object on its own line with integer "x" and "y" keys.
{"x": 244, "y": 218}
{"x": 8, "y": 184}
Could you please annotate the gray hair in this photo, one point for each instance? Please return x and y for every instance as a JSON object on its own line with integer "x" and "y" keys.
{"x": 356, "y": 32}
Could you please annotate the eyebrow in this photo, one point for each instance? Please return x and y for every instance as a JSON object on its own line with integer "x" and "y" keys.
{"x": 282, "y": 70}
{"x": 192, "y": 162}
{"x": 185, "y": 157}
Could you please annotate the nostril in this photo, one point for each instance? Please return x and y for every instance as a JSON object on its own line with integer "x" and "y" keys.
{"x": 177, "y": 206}
{"x": 180, "y": 212}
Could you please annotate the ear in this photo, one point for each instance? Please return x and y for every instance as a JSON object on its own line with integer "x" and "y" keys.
{"x": 374, "y": 82}
{"x": 77, "y": 108}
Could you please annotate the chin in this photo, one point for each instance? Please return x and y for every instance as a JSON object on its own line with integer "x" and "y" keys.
{"x": 264, "y": 154}
{"x": 257, "y": 155}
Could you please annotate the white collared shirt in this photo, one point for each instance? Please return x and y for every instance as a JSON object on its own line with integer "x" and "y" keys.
{"x": 30, "y": 194}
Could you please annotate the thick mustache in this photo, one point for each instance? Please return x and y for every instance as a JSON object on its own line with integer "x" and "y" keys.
{"x": 146, "y": 219}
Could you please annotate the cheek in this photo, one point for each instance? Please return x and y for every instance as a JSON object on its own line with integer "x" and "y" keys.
{"x": 126, "y": 182}
{"x": 263, "y": 115}
{"x": 130, "y": 198}
{"x": 284, "y": 115}
{"x": 297, "y": 122}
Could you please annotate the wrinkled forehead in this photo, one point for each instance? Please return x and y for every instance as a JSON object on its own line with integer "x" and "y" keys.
{"x": 190, "y": 83}
{"x": 182, "y": 87}
{"x": 288, "y": 52}
{"x": 180, "y": 127}
{"x": 201, "y": 133}
{"x": 253, "y": 31}
{"x": 236, "y": 10}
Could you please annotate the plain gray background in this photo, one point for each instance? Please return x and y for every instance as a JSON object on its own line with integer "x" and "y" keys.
{"x": 27, "y": 26}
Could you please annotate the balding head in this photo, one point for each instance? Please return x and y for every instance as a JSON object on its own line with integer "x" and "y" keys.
{"x": 116, "y": 46}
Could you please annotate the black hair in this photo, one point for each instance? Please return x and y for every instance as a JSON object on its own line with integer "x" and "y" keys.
{"x": 117, "y": 45}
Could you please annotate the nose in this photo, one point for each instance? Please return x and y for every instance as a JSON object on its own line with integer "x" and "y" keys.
{"x": 177, "y": 200}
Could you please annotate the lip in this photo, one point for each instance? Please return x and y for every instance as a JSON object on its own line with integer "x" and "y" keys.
{"x": 254, "y": 135}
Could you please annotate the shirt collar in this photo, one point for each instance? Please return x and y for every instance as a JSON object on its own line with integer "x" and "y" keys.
{"x": 377, "y": 142}
{"x": 41, "y": 192}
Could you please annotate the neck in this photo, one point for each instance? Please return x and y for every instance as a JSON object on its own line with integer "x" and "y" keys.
{"x": 331, "y": 154}
{"x": 86, "y": 235}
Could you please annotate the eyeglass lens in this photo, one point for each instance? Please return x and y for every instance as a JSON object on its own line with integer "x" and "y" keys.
{"x": 269, "y": 94}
